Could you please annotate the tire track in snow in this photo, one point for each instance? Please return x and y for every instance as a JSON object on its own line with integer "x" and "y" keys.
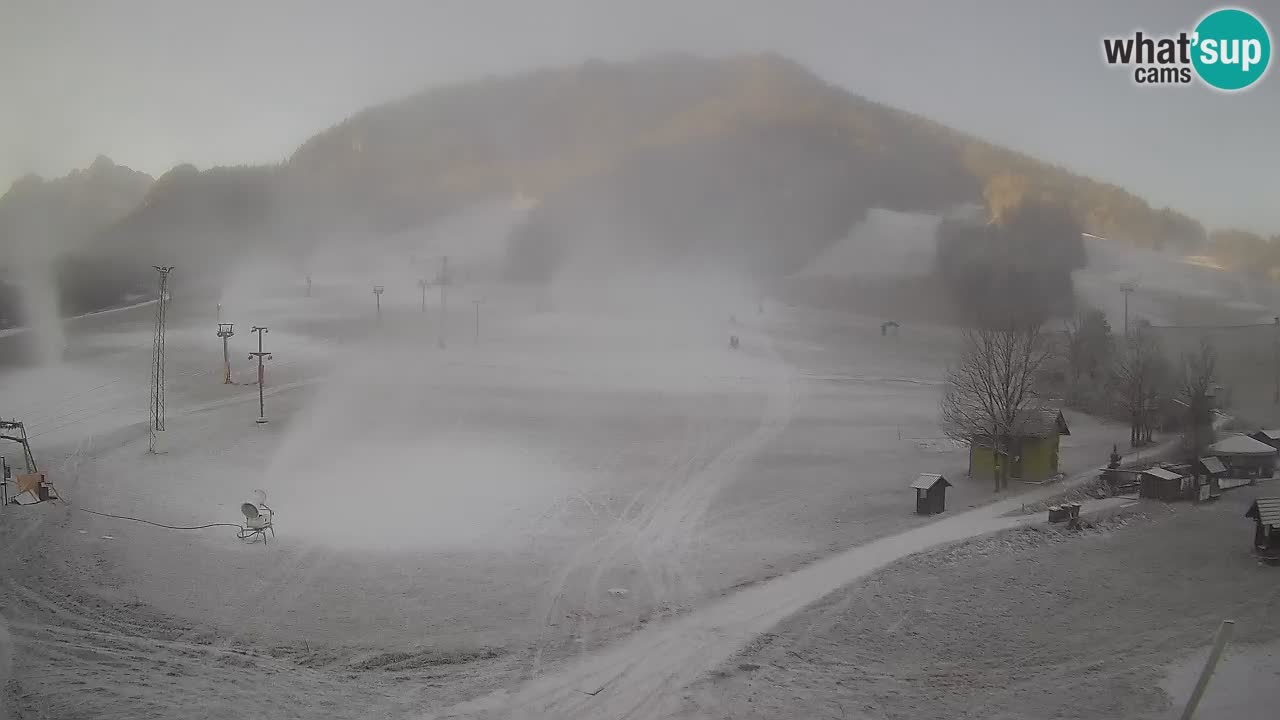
{"x": 658, "y": 528}
{"x": 643, "y": 676}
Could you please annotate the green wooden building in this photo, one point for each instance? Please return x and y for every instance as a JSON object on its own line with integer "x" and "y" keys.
{"x": 1032, "y": 453}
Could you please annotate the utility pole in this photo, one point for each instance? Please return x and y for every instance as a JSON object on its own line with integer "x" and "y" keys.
{"x": 1276, "y": 347}
{"x": 422, "y": 285}
{"x": 444, "y": 281}
{"x": 156, "y": 423}
{"x": 477, "y": 304}
{"x": 1219, "y": 642}
{"x": 377, "y": 296}
{"x": 225, "y": 330}
{"x": 262, "y": 411}
{"x": 1127, "y": 289}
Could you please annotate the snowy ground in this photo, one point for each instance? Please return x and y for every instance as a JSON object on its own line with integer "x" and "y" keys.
{"x": 1031, "y": 623}
{"x": 450, "y": 521}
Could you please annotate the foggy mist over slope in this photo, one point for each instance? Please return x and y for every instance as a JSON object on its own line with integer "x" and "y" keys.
{"x": 668, "y": 386}
{"x": 745, "y": 167}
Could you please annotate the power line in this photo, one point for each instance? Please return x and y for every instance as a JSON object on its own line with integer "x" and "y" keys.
{"x": 1212, "y": 327}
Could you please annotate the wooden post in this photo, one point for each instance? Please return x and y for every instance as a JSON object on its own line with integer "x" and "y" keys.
{"x": 1224, "y": 635}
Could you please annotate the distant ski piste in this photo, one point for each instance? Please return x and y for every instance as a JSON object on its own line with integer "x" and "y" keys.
{"x": 21, "y": 329}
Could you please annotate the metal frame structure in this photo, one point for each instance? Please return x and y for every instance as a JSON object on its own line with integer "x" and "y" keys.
{"x": 226, "y": 330}
{"x": 260, "y": 354}
{"x": 443, "y": 280}
{"x": 156, "y": 423}
{"x": 14, "y": 430}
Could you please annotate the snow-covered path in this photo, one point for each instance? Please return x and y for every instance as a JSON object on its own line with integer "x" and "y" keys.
{"x": 644, "y": 675}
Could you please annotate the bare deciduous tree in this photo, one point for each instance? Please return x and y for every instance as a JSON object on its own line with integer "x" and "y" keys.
{"x": 1199, "y": 374}
{"x": 1088, "y": 343}
{"x": 1141, "y": 377}
{"x": 990, "y": 389}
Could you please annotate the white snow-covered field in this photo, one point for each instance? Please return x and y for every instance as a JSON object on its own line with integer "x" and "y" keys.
{"x": 464, "y": 512}
{"x": 449, "y": 520}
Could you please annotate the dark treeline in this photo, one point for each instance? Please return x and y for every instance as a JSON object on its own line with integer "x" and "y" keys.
{"x": 221, "y": 212}
{"x": 750, "y": 162}
{"x": 55, "y": 220}
{"x": 1246, "y": 252}
{"x": 1015, "y": 260}
{"x": 758, "y": 203}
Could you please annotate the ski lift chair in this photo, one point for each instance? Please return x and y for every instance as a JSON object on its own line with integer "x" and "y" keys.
{"x": 257, "y": 522}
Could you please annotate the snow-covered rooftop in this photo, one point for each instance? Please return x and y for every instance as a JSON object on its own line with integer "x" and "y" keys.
{"x": 1241, "y": 445}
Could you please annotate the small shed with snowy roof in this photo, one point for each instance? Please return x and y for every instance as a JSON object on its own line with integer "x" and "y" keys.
{"x": 1245, "y": 456}
{"x": 1270, "y": 437}
{"x": 1162, "y": 483}
{"x": 931, "y": 493}
{"x": 1265, "y": 512}
{"x": 1209, "y": 472}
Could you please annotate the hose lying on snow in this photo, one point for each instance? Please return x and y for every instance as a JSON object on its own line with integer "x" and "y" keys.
{"x": 170, "y": 527}
{"x": 243, "y": 532}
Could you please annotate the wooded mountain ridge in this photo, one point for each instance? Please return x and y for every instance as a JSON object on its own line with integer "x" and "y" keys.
{"x": 751, "y": 163}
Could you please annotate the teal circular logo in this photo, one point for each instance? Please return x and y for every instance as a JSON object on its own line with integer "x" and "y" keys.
{"x": 1231, "y": 49}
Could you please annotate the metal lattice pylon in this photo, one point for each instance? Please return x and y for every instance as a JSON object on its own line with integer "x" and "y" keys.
{"x": 443, "y": 281}
{"x": 156, "y": 423}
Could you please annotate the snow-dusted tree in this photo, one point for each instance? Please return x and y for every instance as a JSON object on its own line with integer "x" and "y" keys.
{"x": 1199, "y": 374}
{"x": 1087, "y": 336}
{"x": 1141, "y": 377}
{"x": 990, "y": 392}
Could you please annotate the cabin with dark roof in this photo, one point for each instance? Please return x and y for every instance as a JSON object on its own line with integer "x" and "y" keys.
{"x": 1270, "y": 437}
{"x": 1032, "y": 450}
{"x": 1265, "y": 512}
{"x": 1245, "y": 457}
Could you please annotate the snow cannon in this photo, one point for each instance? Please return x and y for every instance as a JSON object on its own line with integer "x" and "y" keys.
{"x": 257, "y": 519}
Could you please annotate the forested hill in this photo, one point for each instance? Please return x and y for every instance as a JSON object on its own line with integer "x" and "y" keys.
{"x": 750, "y": 162}
{"x": 548, "y": 130}
{"x": 67, "y": 211}
{"x": 44, "y": 222}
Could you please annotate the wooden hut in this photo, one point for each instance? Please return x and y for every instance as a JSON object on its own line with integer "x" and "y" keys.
{"x": 1161, "y": 483}
{"x": 889, "y": 328}
{"x": 1265, "y": 512}
{"x": 1032, "y": 451}
{"x": 1245, "y": 456}
{"x": 1270, "y": 437}
{"x": 1209, "y": 473}
{"x": 931, "y": 493}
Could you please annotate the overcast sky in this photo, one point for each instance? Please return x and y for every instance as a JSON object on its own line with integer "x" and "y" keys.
{"x": 153, "y": 83}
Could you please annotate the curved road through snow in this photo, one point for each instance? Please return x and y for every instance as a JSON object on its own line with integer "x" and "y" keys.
{"x": 643, "y": 676}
